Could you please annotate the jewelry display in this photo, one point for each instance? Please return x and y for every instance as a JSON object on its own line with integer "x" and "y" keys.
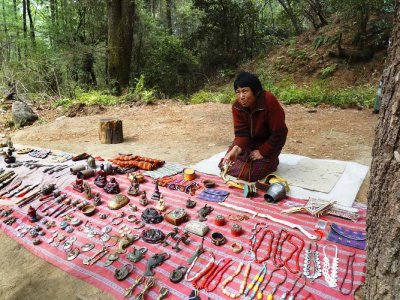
{"x": 156, "y": 194}
{"x": 125, "y": 242}
{"x": 271, "y": 295}
{"x": 147, "y": 286}
{"x": 204, "y": 211}
{"x": 143, "y": 199}
{"x": 331, "y": 278}
{"x": 153, "y": 236}
{"x": 197, "y": 228}
{"x": 294, "y": 294}
{"x": 111, "y": 258}
{"x": 255, "y": 246}
{"x": 236, "y": 230}
{"x": 161, "y": 206}
{"x": 190, "y": 203}
{"x": 117, "y": 202}
{"x": 112, "y": 187}
{"x": 184, "y": 239}
{"x": 155, "y": 261}
{"x": 129, "y": 290}
{"x": 217, "y": 275}
{"x": 199, "y": 250}
{"x": 123, "y": 272}
{"x": 137, "y": 254}
{"x": 257, "y": 281}
{"x": 349, "y": 269}
{"x": 163, "y": 293}
{"x": 217, "y": 238}
{"x": 71, "y": 255}
{"x": 202, "y": 271}
{"x": 177, "y": 275}
{"x": 284, "y": 236}
{"x": 176, "y": 216}
{"x": 219, "y": 220}
{"x": 236, "y": 247}
{"x": 152, "y": 216}
{"x": 242, "y": 285}
{"x": 273, "y": 219}
{"x": 318, "y": 207}
{"x": 312, "y": 256}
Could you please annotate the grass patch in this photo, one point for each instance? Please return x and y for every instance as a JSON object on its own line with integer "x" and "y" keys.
{"x": 319, "y": 93}
{"x": 223, "y": 95}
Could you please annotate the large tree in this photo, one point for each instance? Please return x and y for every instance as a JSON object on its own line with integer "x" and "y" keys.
{"x": 383, "y": 215}
{"x": 120, "y": 34}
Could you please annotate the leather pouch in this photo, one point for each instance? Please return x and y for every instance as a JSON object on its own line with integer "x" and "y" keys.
{"x": 347, "y": 237}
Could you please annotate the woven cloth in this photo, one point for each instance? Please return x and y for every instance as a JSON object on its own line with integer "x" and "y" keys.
{"x": 103, "y": 277}
{"x": 144, "y": 163}
{"x": 213, "y": 195}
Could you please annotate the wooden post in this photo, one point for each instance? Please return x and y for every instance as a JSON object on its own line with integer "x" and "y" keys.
{"x": 111, "y": 131}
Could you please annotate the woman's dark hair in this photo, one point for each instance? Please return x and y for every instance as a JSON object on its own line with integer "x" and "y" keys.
{"x": 246, "y": 79}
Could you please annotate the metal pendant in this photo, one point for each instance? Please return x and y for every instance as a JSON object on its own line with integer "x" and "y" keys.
{"x": 137, "y": 254}
{"x": 73, "y": 254}
{"x": 123, "y": 272}
{"x": 87, "y": 247}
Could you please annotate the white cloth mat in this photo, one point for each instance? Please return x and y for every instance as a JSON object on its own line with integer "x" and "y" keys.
{"x": 346, "y": 183}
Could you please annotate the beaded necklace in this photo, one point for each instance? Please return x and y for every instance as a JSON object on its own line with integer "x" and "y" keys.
{"x": 293, "y": 295}
{"x": 258, "y": 244}
{"x": 315, "y": 261}
{"x": 271, "y": 295}
{"x": 284, "y": 236}
{"x": 349, "y": 269}
{"x": 218, "y": 275}
{"x": 331, "y": 278}
{"x": 199, "y": 282}
{"x": 242, "y": 285}
{"x": 202, "y": 272}
{"x": 253, "y": 238}
{"x": 257, "y": 280}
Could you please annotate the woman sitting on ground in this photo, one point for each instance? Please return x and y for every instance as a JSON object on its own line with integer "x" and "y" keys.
{"x": 260, "y": 130}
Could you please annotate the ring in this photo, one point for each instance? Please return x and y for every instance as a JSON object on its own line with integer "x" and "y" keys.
{"x": 236, "y": 247}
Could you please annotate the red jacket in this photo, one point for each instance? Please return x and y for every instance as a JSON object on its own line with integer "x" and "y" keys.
{"x": 264, "y": 128}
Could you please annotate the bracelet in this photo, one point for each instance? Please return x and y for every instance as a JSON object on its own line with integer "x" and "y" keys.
{"x": 236, "y": 247}
{"x": 218, "y": 239}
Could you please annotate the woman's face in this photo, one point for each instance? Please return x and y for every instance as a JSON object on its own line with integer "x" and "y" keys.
{"x": 245, "y": 96}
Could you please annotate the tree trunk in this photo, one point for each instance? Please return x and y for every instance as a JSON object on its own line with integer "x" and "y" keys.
{"x": 18, "y": 50}
{"x": 383, "y": 214}
{"x": 287, "y": 7}
{"x": 31, "y": 25}
{"x": 110, "y": 131}
{"x": 120, "y": 37}
{"x": 169, "y": 16}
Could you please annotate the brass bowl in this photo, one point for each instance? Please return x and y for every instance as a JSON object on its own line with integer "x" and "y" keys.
{"x": 88, "y": 210}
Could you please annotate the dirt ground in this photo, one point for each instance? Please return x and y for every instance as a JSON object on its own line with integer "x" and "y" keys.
{"x": 174, "y": 132}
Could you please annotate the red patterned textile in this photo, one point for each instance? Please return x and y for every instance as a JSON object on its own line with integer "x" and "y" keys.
{"x": 144, "y": 163}
{"x": 103, "y": 277}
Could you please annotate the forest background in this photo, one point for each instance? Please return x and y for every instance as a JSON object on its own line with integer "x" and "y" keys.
{"x": 64, "y": 52}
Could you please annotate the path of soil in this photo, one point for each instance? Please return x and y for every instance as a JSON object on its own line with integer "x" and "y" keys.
{"x": 173, "y": 132}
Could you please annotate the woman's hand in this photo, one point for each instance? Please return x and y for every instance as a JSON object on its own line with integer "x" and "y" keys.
{"x": 255, "y": 155}
{"x": 232, "y": 155}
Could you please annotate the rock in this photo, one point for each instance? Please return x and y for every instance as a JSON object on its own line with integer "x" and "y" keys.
{"x": 22, "y": 114}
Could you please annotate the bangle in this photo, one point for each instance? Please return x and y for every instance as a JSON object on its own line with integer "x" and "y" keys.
{"x": 236, "y": 247}
{"x": 218, "y": 239}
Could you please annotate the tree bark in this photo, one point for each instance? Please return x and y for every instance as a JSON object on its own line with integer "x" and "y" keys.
{"x": 383, "y": 214}
{"x": 31, "y": 24}
{"x": 287, "y": 7}
{"x": 120, "y": 37}
{"x": 18, "y": 50}
{"x": 169, "y": 15}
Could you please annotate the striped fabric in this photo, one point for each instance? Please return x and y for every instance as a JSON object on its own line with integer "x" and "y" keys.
{"x": 103, "y": 277}
{"x": 144, "y": 163}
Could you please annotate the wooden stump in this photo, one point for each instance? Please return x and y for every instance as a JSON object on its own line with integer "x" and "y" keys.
{"x": 111, "y": 131}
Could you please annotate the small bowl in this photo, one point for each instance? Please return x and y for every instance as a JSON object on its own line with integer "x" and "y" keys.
{"x": 209, "y": 183}
{"x": 88, "y": 210}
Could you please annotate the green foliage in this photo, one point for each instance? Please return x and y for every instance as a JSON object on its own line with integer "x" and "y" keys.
{"x": 325, "y": 39}
{"x": 223, "y": 95}
{"x": 328, "y": 71}
{"x": 320, "y": 93}
{"x": 140, "y": 93}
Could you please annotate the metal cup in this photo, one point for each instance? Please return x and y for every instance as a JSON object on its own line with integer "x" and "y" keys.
{"x": 275, "y": 193}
